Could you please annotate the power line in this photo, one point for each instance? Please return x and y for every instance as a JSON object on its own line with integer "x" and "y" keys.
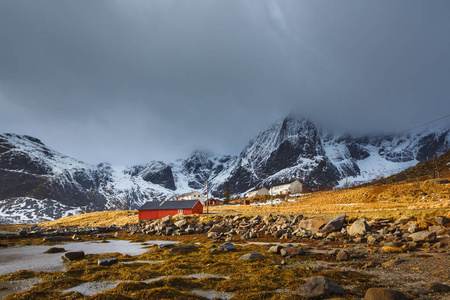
{"x": 423, "y": 124}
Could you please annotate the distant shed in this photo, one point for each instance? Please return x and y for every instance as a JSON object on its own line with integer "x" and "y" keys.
{"x": 156, "y": 210}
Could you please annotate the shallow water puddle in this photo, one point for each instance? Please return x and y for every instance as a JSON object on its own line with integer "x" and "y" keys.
{"x": 32, "y": 258}
{"x": 206, "y": 275}
{"x": 16, "y": 286}
{"x": 213, "y": 294}
{"x": 92, "y": 288}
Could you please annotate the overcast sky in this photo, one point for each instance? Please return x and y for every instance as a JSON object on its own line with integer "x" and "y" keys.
{"x": 132, "y": 81}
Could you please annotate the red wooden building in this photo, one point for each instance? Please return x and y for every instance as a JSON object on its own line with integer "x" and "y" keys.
{"x": 157, "y": 210}
{"x": 213, "y": 201}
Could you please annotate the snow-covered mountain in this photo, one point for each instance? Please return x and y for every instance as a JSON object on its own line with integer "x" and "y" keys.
{"x": 38, "y": 183}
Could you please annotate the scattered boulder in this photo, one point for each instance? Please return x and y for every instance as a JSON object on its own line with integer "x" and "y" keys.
{"x": 291, "y": 251}
{"x": 218, "y": 229}
{"x": 423, "y": 236}
{"x": 166, "y": 219}
{"x": 251, "y": 256}
{"x": 319, "y": 287}
{"x": 313, "y": 225}
{"x": 275, "y": 249}
{"x": 334, "y": 225}
{"x": 438, "y": 287}
{"x": 180, "y": 223}
{"x": 183, "y": 248}
{"x": 441, "y": 220}
{"x": 384, "y": 294}
{"x": 108, "y": 261}
{"x": 359, "y": 227}
{"x": 71, "y": 256}
{"x": 227, "y": 247}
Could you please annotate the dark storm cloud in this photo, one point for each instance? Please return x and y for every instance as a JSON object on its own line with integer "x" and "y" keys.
{"x": 131, "y": 81}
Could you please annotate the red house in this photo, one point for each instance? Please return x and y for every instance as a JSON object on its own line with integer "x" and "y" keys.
{"x": 157, "y": 210}
{"x": 213, "y": 201}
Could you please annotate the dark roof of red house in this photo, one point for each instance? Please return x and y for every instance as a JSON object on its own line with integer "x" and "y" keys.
{"x": 156, "y": 205}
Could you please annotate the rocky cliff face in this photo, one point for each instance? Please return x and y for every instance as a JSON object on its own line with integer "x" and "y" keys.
{"x": 31, "y": 174}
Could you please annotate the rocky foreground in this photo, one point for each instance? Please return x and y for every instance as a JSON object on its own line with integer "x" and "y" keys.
{"x": 258, "y": 257}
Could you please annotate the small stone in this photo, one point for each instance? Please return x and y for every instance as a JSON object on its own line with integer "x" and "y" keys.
{"x": 318, "y": 287}
{"x": 275, "y": 249}
{"x": 213, "y": 235}
{"x": 372, "y": 240}
{"x": 108, "y": 261}
{"x": 251, "y": 256}
{"x": 342, "y": 256}
{"x": 384, "y": 294}
{"x": 392, "y": 249}
{"x": 75, "y": 255}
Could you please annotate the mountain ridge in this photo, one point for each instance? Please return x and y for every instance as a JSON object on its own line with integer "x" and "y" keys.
{"x": 292, "y": 148}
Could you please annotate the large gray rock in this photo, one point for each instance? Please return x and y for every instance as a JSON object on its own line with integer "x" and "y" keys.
{"x": 75, "y": 255}
{"x": 108, "y": 261}
{"x": 184, "y": 248}
{"x": 423, "y": 236}
{"x": 334, "y": 225}
{"x": 359, "y": 227}
{"x": 291, "y": 251}
{"x": 227, "y": 247}
{"x": 251, "y": 256}
{"x": 180, "y": 223}
{"x": 319, "y": 286}
{"x": 275, "y": 249}
{"x": 384, "y": 294}
{"x": 441, "y": 220}
{"x": 313, "y": 225}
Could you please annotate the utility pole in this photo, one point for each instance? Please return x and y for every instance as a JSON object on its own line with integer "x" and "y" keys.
{"x": 207, "y": 202}
{"x": 435, "y": 168}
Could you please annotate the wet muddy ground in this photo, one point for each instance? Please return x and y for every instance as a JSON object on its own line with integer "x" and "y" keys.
{"x": 147, "y": 271}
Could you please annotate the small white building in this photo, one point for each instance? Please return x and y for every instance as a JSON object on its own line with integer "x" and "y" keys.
{"x": 194, "y": 195}
{"x": 292, "y": 187}
{"x": 258, "y": 192}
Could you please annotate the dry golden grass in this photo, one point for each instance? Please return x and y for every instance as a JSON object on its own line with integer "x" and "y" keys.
{"x": 427, "y": 198}
{"x": 101, "y": 218}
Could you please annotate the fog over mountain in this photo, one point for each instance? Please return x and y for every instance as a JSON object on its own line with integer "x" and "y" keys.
{"x": 129, "y": 82}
